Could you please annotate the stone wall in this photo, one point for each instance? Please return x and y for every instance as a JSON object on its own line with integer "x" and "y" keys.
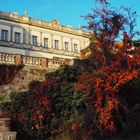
{"x": 21, "y": 80}
{"x": 32, "y": 68}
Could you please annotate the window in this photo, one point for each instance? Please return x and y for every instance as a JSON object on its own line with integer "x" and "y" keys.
{"x": 66, "y": 46}
{"x": 56, "y": 44}
{"x": 17, "y": 37}
{"x": 34, "y": 40}
{"x": 4, "y": 35}
{"x": 45, "y": 42}
{"x": 75, "y": 48}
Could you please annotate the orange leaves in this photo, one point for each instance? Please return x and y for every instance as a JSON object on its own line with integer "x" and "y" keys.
{"x": 102, "y": 89}
{"x": 123, "y": 77}
{"x": 37, "y": 126}
{"x": 85, "y": 85}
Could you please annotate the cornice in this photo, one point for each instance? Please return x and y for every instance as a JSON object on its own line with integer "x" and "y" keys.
{"x": 53, "y": 25}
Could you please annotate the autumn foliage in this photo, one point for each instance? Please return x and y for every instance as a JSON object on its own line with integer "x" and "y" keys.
{"x": 7, "y": 73}
{"x": 97, "y": 96}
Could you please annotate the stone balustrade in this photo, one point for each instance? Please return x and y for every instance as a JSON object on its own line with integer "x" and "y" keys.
{"x": 37, "y": 62}
{"x": 54, "y": 64}
{"x": 31, "y": 61}
{"x": 7, "y": 58}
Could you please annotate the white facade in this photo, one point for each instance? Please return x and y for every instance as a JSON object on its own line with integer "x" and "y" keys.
{"x": 26, "y": 36}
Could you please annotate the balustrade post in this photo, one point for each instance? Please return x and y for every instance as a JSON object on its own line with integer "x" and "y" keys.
{"x": 44, "y": 63}
{"x": 18, "y": 59}
{"x": 67, "y": 62}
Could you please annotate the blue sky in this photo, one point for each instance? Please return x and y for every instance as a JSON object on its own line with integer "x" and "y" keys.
{"x": 67, "y": 12}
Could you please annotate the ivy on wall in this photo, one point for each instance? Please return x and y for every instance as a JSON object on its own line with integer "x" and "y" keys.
{"x": 7, "y": 73}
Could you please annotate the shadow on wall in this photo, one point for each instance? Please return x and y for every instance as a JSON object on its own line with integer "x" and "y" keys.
{"x": 8, "y": 72}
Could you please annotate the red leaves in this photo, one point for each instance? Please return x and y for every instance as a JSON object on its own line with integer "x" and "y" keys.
{"x": 21, "y": 116}
{"x": 74, "y": 127}
{"x": 33, "y": 112}
{"x": 102, "y": 89}
{"x": 44, "y": 101}
{"x": 7, "y": 73}
{"x": 46, "y": 84}
{"x": 126, "y": 37}
{"x": 104, "y": 85}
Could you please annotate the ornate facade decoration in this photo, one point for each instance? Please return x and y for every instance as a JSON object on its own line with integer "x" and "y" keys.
{"x": 36, "y": 43}
{"x": 55, "y": 24}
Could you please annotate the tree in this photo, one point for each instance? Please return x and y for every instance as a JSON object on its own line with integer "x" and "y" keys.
{"x": 102, "y": 1}
{"x": 119, "y": 66}
{"x": 91, "y": 97}
{"x": 108, "y": 25}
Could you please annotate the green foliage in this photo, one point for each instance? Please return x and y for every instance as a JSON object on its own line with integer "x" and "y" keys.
{"x": 30, "y": 114}
{"x": 68, "y": 104}
{"x": 86, "y": 65}
{"x": 1, "y": 98}
{"x": 98, "y": 95}
{"x": 65, "y": 74}
{"x": 66, "y": 109}
{"x": 131, "y": 93}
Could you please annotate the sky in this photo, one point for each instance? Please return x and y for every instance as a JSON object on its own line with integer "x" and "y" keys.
{"x": 67, "y": 12}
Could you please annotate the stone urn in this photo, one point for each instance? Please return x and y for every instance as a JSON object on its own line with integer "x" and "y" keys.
{"x": 5, "y": 133}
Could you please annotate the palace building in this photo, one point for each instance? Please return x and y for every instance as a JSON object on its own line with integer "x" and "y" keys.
{"x": 33, "y": 42}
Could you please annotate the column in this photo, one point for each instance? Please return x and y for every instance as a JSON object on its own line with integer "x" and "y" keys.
{"x": 71, "y": 44}
{"x": 52, "y": 41}
{"x": 18, "y": 59}
{"x": 62, "y": 46}
{"x": 29, "y": 36}
{"x": 24, "y": 36}
{"x": 11, "y": 34}
{"x": 44, "y": 63}
{"x": 41, "y": 39}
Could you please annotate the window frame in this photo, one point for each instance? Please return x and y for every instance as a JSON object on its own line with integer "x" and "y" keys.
{"x": 4, "y": 35}
{"x": 17, "y": 37}
{"x": 34, "y": 40}
{"x": 46, "y": 43}
{"x": 66, "y": 46}
{"x": 75, "y": 48}
{"x": 56, "y": 44}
